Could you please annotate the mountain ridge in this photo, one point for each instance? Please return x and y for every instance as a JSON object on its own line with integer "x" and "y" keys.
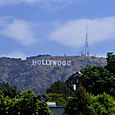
{"x": 22, "y": 73}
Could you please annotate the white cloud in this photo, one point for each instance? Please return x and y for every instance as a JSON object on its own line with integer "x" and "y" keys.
{"x": 19, "y": 30}
{"x": 73, "y": 32}
{"x": 49, "y": 5}
{"x": 15, "y": 55}
{"x": 101, "y": 55}
{"x": 3, "y": 2}
{"x": 12, "y": 2}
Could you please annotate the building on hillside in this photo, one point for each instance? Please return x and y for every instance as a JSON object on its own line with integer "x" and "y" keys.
{"x": 73, "y": 82}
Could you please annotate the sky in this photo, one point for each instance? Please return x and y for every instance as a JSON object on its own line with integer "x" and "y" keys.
{"x": 56, "y": 27}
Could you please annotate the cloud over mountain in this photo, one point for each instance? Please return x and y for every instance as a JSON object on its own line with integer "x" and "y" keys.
{"x": 19, "y": 30}
{"x": 15, "y": 55}
{"x": 73, "y": 32}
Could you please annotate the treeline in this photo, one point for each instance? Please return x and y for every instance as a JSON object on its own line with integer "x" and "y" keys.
{"x": 94, "y": 94}
{"x": 22, "y": 102}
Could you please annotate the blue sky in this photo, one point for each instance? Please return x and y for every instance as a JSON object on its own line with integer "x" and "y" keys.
{"x": 56, "y": 27}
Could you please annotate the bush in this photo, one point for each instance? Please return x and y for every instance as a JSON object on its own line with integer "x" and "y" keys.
{"x": 8, "y": 90}
{"x": 26, "y": 103}
{"x": 102, "y": 104}
{"x": 78, "y": 105}
{"x": 84, "y": 104}
{"x": 59, "y": 87}
{"x": 53, "y": 97}
{"x": 98, "y": 80}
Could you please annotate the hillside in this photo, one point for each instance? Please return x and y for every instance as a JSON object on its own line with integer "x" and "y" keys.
{"x": 39, "y": 72}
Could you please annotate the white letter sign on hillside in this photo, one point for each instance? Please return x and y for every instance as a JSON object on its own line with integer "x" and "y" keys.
{"x": 51, "y": 62}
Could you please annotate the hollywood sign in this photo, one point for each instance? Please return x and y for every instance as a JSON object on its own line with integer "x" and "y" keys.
{"x": 52, "y": 62}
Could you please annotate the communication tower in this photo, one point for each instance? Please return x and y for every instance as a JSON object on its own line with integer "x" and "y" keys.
{"x": 86, "y": 43}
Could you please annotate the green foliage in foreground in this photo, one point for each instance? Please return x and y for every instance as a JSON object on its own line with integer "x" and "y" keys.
{"x": 98, "y": 80}
{"x": 85, "y": 104}
{"x": 53, "y": 97}
{"x": 59, "y": 87}
{"x": 26, "y": 103}
{"x": 111, "y": 62}
{"x": 102, "y": 104}
{"x": 7, "y": 90}
{"x": 58, "y": 92}
{"x": 79, "y": 104}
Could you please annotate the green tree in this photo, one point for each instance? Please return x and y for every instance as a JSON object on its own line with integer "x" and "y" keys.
{"x": 111, "y": 62}
{"x": 27, "y": 102}
{"x": 102, "y": 104}
{"x": 8, "y": 90}
{"x": 59, "y": 87}
{"x": 85, "y": 104}
{"x": 97, "y": 80}
{"x": 79, "y": 103}
{"x": 53, "y": 97}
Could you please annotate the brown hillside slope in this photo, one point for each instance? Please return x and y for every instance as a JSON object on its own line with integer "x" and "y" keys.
{"x": 23, "y": 74}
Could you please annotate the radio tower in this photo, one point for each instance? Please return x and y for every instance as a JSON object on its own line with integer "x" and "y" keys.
{"x": 86, "y": 43}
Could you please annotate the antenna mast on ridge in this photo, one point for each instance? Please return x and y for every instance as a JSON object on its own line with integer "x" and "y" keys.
{"x": 86, "y": 43}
